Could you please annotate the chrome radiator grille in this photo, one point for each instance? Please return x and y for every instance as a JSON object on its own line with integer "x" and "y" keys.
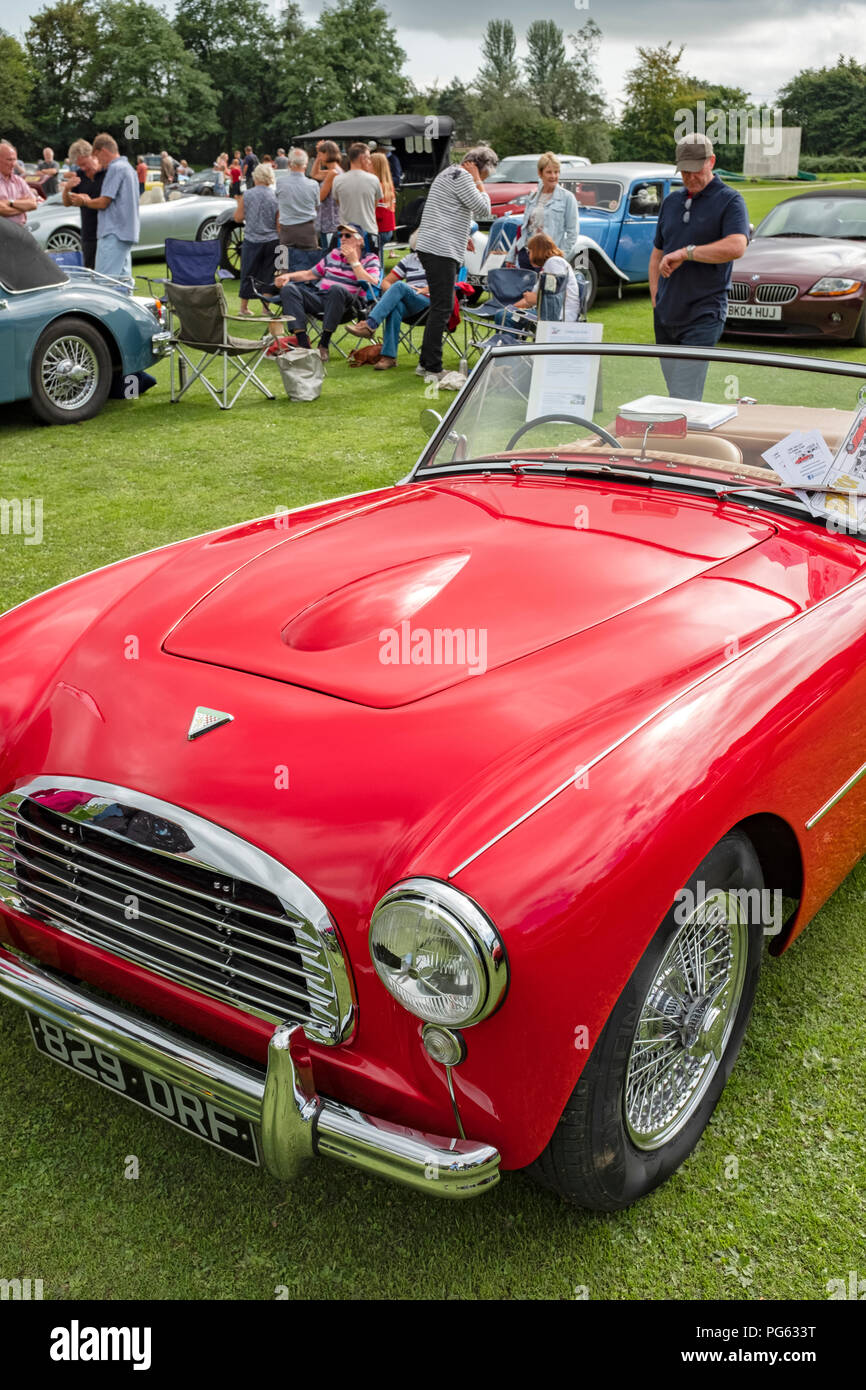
{"x": 738, "y": 292}
{"x": 776, "y": 294}
{"x": 160, "y": 887}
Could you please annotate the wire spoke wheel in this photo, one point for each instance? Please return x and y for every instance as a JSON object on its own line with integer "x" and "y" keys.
{"x": 686, "y": 1021}
{"x": 69, "y": 372}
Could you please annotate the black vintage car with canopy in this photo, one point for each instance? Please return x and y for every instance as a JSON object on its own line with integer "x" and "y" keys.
{"x": 423, "y": 147}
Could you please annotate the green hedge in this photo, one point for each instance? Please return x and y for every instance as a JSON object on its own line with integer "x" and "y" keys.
{"x": 833, "y": 164}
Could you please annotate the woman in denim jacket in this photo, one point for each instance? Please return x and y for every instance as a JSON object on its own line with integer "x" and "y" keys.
{"x": 551, "y": 210}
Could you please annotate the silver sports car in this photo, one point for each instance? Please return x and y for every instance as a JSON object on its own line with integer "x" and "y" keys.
{"x": 58, "y": 228}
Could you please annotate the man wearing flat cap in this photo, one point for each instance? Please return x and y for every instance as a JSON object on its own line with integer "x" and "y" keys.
{"x": 702, "y": 228}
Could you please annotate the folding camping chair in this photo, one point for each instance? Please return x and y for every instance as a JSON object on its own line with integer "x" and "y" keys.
{"x": 300, "y": 259}
{"x": 494, "y": 318}
{"x": 203, "y": 325}
{"x": 197, "y": 301}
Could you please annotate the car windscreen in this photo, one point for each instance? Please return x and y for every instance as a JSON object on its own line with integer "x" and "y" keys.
{"x": 741, "y": 422}
{"x": 515, "y": 171}
{"x": 23, "y": 264}
{"x": 825, "y": 217}
{"x": 596, "y": 195}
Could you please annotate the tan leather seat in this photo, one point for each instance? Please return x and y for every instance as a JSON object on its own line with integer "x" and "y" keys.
{"x": 697, "y": 443}
{"x": 700, "y": 443}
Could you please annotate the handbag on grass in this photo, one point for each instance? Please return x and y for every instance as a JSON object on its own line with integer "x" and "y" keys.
{"x": 365, "y": 356}
{"x": 303, "y": 372}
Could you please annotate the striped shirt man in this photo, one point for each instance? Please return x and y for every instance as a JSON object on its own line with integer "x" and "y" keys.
{"x": 412, "y": 271}
{"x": 336, "y": 270}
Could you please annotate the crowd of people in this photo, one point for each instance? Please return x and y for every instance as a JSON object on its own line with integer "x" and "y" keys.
{"x": 340, "y": 210}
{"x": 344, "y": 207}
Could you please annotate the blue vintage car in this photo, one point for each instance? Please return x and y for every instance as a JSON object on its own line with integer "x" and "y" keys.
{"x": 67, "y": 336}
{"x": 619, "y": 208}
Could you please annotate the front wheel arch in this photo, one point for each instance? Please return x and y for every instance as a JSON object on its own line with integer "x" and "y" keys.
{"x": 91, "y": 342}
{"x": 593, "y": 1158}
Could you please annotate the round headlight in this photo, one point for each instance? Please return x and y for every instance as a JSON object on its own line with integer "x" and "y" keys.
{"x": 437, "y": 953}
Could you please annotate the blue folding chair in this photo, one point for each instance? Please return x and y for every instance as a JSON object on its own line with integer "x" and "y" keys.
{"x": 503, "y": 233}
{"x": 494, "y": 318}
{"x": 68, "y": 258}
{"x": 296, "y": 258}
{"x": 194, "y": 262}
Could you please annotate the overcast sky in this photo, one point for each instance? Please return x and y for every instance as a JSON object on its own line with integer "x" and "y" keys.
{"x": 737, "y": 43}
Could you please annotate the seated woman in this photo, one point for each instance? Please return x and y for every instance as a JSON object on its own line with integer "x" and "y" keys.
{"x": 548, "y": 259}
{"x": 405, "y": 292}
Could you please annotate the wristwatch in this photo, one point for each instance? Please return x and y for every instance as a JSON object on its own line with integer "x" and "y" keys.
{"x": 690, "y": 252}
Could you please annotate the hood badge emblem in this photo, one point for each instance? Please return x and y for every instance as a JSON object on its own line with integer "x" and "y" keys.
{"x": 206, "y": 719}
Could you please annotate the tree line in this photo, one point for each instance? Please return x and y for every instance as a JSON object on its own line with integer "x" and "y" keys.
{"x": 224, "y": 73}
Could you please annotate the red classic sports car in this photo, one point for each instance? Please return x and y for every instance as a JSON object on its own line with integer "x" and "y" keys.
{"x": 804, "y": 272}
{"x": 441, "y": 829}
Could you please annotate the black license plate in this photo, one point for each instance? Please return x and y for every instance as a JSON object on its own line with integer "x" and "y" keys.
{"x": 197, "y": 1115}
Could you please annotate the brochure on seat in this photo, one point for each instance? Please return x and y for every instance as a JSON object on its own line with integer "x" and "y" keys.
{"x": 700, "y": 415}
{"x": 805, "y": 459}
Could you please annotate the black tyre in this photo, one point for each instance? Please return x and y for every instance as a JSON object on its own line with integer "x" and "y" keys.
{"x": 231, "y": 241}
{"x": 64, "y": 239}
{"x": 70, "y": 372}
{"x": 591, "y": 274}
{"x": 859, "y": 339}
{"x": 209, "y": 230}
{"x": 661, "y": 1062}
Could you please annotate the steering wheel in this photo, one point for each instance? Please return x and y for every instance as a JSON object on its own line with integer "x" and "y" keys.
{"x": 566, "y": 420}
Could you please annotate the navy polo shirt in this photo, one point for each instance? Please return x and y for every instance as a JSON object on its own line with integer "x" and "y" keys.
{"x": 697, "y": 289}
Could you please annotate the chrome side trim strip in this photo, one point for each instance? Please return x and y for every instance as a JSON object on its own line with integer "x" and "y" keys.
{"x": 660, "y": 709}
{"x": 295, "y": 1122}
{"x": 836, "y": 797}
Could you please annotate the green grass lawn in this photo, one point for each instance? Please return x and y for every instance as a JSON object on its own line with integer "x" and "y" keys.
{"x": 769, "y": 1206}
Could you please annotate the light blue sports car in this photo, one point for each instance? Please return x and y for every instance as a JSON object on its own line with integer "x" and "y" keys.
{"x": 67, "y": 338}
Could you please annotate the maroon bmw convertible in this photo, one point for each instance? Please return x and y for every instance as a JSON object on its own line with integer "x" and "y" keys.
{"x": 804, "y": 273}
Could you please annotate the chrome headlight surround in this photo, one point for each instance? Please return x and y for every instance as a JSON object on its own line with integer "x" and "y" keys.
{"x": 471, "y": 934}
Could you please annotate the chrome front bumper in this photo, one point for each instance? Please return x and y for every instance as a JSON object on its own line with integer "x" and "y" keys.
{"x": 294, "y": 1122}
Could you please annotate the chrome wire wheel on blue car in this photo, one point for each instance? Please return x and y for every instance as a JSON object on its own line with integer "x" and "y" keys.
{"x": 70, "y": 374}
